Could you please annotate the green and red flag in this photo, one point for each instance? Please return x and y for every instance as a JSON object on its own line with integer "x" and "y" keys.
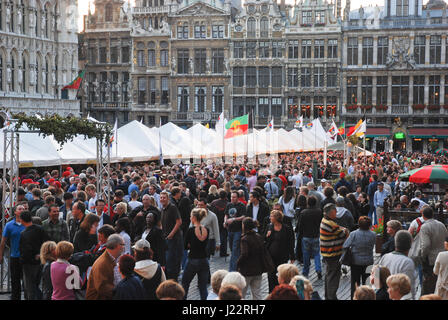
{"x": 237, "y": 127}
{"x": 342, "y": 129}
{"x": 75, "y": 84}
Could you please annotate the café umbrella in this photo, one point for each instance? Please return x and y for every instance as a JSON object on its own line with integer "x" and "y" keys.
{"x": 441, "y": 151}
{"x": 435, "y": 173}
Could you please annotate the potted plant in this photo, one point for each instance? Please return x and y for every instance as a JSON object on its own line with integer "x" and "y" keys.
{"x": 434, "y": 107}
{"x": 351, "y": 107}
{"x": 381, "y": 107}
{"x": 418, "y": 106}
{"x": 378, "y": 229}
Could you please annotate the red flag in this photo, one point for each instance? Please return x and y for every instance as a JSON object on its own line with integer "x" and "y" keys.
{"x": 75, "y": 84}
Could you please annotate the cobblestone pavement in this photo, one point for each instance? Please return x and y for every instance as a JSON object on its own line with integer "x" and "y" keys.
{"x": 217, "y": 263}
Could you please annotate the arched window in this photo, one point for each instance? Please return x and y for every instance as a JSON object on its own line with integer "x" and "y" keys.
{"x": 251, "y": 27}
{"x": 47, "y": 13}
{"x": 12, "y": 13}
{"x": 1, "y": 20}
{"x": 38, "y": 74}
{"x": 264, "y": 27}
{"x": 109, "y": 15}
{"x": 2, "y": 70}
{"x": 24, "y": 71}
{"x": 47, "y": 75}
{"x": 13, "y": 85}
{"x": 37, "y": 19}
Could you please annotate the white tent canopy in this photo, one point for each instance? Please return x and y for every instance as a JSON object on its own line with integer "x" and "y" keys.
{"x": 137, "y": 142}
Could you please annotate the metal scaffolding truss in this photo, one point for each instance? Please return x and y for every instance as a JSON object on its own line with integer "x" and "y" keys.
{"x": 103, "y": 180}
{"x": 10, "y": 184}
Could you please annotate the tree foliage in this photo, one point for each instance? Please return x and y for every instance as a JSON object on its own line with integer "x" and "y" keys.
{"x": 64, "y": 129}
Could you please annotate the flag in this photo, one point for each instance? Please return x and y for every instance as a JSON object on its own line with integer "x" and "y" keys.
{"x": 333, "y": 131}
{"x": 75, "y": 84}
{"x": 207, "y": 126}
{"x": 237, "y": 127}
{"x": 309, "y": 125}
{"x": 271, "y": 124}
{"x": 341, "y": 129}
{"x": 160, "y": 146}
{"x": 299, "y": 122}
{"x": 362, "y": 129}
{"x": 114, "y": 132}
{"x": 141, "y": 120}
{"x": 355, "y": 129}
{"x": 7, "y": 119}
{"x": 219, "y": 126}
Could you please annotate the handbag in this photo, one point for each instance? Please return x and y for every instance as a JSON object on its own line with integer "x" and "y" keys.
{"x": 347, "y": 255}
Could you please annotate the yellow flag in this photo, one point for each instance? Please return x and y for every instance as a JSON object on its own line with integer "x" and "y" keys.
{"x": 207, "y": 126}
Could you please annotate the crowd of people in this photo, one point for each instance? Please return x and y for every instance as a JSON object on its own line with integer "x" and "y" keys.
{"x": 156, "y": 228}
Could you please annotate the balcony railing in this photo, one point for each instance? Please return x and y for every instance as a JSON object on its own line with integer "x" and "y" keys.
{"x": 400, "y": 109}
{"x": 143, "y": 10}
{"x": 108, "y": 105}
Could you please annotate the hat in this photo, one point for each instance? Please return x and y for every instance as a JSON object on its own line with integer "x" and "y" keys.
{"x": 324, "y": 180}
{"x": 69, "y": 168}
{"x": 381, "y": 183}
{"x": 141, "y": 245}
{"x": 243, "y": 169}
{"x": 66, "y": 174}
{"x": 58, "y": 184}
{"x": 253, "y": 172}
{"x": 342, "y": 175}
{"x": 51, "y": 181}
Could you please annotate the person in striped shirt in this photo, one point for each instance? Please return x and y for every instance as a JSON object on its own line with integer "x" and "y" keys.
{"x": 332, "y": 237}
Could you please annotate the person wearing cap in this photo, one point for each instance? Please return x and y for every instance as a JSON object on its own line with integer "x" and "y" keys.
{"x": 150, "y": 272}
{"x": 371, "y": 189}
{"x": 398, "y": 260}
{"x": 252, "y": 180}
{"x": 378, "y": 200}
{"x": 74, "y": 186}
{"x": 322, "y": 186}
{"x": 342, "y": 182}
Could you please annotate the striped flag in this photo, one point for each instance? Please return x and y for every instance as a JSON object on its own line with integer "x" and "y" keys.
{"x": 358, "y": 129}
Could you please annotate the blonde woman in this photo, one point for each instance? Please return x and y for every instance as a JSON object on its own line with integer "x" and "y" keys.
{"x": 399, "y": 287}
{"x": 196, "y": 240}
{"x": 121, "y": 212}
{"x": 47, "y": 256}
{"x": 213, "y": 193}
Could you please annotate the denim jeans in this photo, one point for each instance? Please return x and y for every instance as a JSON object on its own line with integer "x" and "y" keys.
{"x": 234, "y": 244}
{"x": 198, "y": 267}
{"x": 31, "y": 280}
{"x": 174, "y": 254}
{"x": 311, "y": 248}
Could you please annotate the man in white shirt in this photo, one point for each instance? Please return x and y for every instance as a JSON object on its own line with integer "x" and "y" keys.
{"x": 418, "y": 197}
{"x": 398, "y": 260}
{"x": 296, "y": 179}
{"x": 91, "y": 192}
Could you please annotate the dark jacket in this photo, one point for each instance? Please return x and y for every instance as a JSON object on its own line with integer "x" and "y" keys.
{"x": 262, "y": 216}
{"x": 388, "y": 246}
{"x": 341, "y": 183}
{"x": 84, "y": 241}
{"x": 382, "y": 294}
{"x": 47, "y": 285}
{"x": 73, "y": 227}
{"x": 184, "y": 207}
{"x": 280, "y": 244}
{"x": 158, "y": 245}
{"x": 250, "y": 262}
{"x": 364, "y": 208}
{"x": 191, "y": 184}
{"x": 130, "y": 288}
{"x": 309, "y": 223}
{"x": 31, "y": 240}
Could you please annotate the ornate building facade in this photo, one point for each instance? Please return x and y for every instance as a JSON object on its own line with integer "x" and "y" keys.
{"x": 106, "y": 57}
{"x": 313, "y": 35}
{"x": 395, "y": 67}
{"x": 200, "y": 72}
{"x": 38, "y": 56}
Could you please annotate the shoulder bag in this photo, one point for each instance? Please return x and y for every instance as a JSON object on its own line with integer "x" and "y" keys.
{"x": 347, "y": 255}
